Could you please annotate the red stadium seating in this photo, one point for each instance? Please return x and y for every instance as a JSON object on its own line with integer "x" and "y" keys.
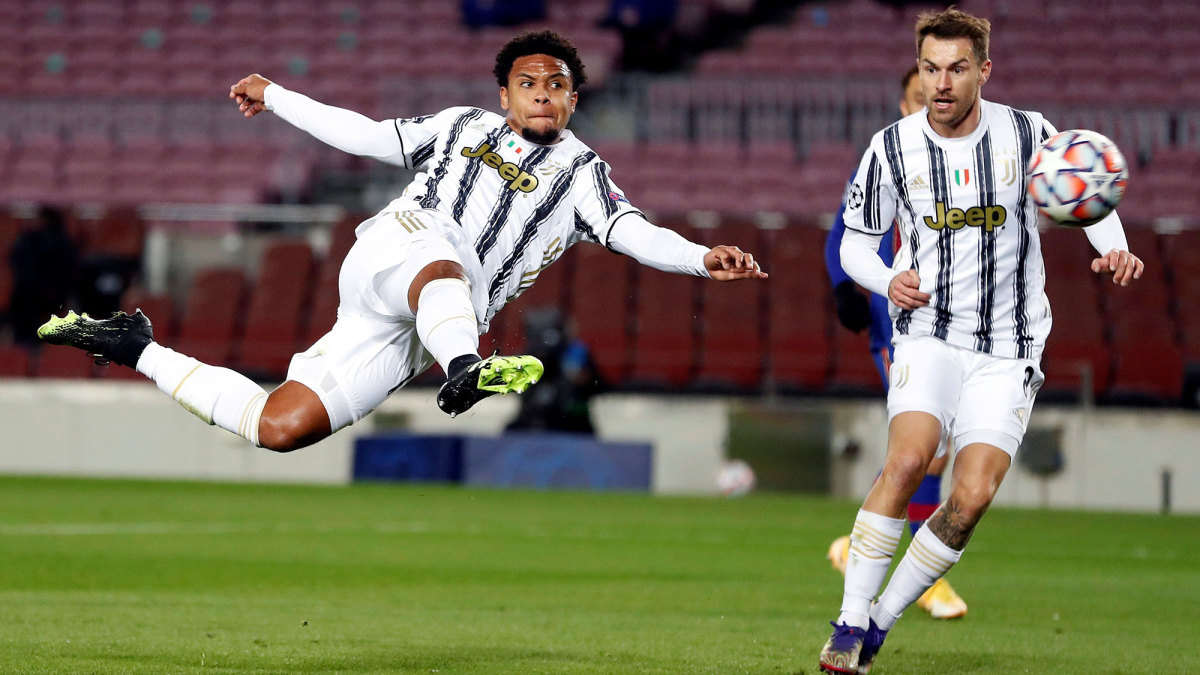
{"x": 732, "y": 320}
{"x": 14, "y": 361}
{"x": 602, "y": 297}
{"x": 798, "y": 314}
{"x": 212, "y": 315}
{"x": 63, "y": 363}
{"x": 273, "y": 320}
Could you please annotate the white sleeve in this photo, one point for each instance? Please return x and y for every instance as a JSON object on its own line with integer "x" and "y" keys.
{"x": 344, "y": 129}
{"x": 870, "y": 199}
{"x": 656, "y": 246}
{"x": 1107, "y": 235}
{"x": 860, "y": 259}
{"x": 598, "y": 203}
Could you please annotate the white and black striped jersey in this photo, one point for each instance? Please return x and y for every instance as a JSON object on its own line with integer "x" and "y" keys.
{"x": 967, "y": 226}
{"x": 521, "y": 204}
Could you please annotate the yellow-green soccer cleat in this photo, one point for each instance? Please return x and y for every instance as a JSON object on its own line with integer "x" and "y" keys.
{"x": 942, "y": 602}
{"x": 493, "y": 375}
{"x": 120, "y": 338}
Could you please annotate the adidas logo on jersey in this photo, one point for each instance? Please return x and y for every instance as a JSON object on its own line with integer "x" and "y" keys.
{"x": 518, "y": 179}
{"x": 918, "y": 183}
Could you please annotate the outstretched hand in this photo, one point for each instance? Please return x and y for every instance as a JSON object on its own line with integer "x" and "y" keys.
{"x": 248, "y": 93}
{"x": 1122, "y": 265}
{"x": 905, "y": 290}
{"x": 729, "y": 263}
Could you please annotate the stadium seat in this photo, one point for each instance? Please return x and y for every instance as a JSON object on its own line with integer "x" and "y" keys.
{"x": 14, "y": 361}
{"x": 732, "y": 321}
{"x": 212, "y": 315}
{"x": 62, "y": 363}
{"x": 602, "y": 297}
{"x": 664, "y": 344}
{"x": 273, "y": 320}
{"x": 798, "y": 309}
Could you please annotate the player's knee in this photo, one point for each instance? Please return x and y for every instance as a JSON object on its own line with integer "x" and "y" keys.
{"x": 973, "y": 501}
{"x": 285, "y": 433}
{"x": 905, "y": 470}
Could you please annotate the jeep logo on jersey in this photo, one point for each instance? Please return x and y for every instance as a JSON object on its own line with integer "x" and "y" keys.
{"x": 517, "y": 179}
{"x": 987, "y": 217}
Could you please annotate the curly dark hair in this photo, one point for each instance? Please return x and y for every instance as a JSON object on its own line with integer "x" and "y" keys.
{"x": 545, "y": 42}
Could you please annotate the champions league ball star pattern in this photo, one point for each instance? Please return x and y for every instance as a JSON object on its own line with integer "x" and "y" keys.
{"x": 1077, "y": 177}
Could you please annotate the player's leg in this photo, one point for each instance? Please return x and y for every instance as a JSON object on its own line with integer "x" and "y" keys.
{"x": 978, "y": 470}
{"x": 218, "y": 396}
{"x": 432, "y": 287}
{"x": 941, "y": 601}
{"x": 925, "y": 383}
{"x": 996, "y": 401}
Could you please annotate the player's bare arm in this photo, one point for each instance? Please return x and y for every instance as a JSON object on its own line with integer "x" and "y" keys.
{"x": 1122, "y": 265}
{"x": 730, "y": 263}
{"x": 905, "y": 290}
{"x": 249, "y": 93}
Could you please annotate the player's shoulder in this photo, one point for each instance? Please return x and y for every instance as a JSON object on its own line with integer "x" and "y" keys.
{"x": 1005, "y": 114}
{"x": 911, "y": 126}
{"x": 450, "y": 115}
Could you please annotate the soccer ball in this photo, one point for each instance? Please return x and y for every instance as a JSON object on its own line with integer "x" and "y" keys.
{"x": 735, "y": 478}
{"x": 1077, "y": 177}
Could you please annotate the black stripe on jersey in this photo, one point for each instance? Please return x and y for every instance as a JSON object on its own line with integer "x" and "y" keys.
{"x": 985, "y": 182}
{"x": 499, "y": 217}
{"x": 558, "y": 191}
{"x": 582, "y": 227}
{"x": 600, "y": 178}
{"x": 400, "y": 136}
{"x": 430, "y": 200}
{"x": 895, "y": 159}
{"x": 871, "y": 195}
{"x": 942, "y": 290}
{"x": 1025, "y": 131}
{"x": 423, "y": 152}
{"x": 471, "y": 173}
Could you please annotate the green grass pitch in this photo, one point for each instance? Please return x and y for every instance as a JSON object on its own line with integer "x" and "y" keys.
{"x": 152, "y": 577}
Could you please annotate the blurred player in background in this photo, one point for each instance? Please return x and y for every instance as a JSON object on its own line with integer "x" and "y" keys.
{"x": 496, "y": 201}
{"x": 971, "y": 317}
{"x": 856, "y": 312}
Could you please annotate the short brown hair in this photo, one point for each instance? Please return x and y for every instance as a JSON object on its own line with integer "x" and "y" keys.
{"x": 953, "y": 23}
{"x": 908, "y": 76}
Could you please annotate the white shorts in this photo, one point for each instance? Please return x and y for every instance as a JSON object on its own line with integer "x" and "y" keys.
{"x": 983, "y": 398}
{"x": 373, "y": 348}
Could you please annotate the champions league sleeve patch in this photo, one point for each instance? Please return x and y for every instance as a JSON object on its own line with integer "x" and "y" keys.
{"x": 854, "y": 197}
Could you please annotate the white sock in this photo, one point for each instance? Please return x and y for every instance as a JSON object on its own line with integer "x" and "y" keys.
{"x": 446, "y": 320}
{"x": 926, "y": 560}
{"x": 873, "y": 542}
{"x": 218, "y": 396}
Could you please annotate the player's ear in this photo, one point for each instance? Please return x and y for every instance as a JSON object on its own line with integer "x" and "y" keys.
{"x": 985, "y": 71}
{"x": 574, "y": 100}
{"x": 504, "y": 98}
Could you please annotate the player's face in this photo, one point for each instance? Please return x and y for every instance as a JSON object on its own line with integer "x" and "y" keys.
{"x": 538, "y": 98}
{"x": 950, "y": 80}
{"x": 914, "y": 98}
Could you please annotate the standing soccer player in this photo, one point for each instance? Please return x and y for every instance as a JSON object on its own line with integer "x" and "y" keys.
{"x": 856, "y": 312}
{"x": 497, "y": 200}
{"x": 970, "y": 317}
